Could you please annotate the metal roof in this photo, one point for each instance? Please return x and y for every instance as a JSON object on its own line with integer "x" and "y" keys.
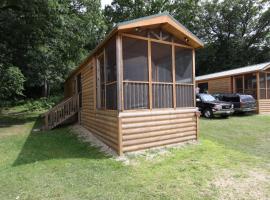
{"x": 251, "y": 68}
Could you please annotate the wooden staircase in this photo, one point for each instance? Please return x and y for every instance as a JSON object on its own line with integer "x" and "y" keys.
{"x": 61, "y": 112}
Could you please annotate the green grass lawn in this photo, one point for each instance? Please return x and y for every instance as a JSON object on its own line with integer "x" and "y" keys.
{"x": 231, "y": 161}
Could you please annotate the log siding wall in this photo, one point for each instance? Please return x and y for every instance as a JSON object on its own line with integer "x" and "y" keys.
{"x": 102, "y": 123}
{"x": 264, "y": 106}
{"x": 221, "y": 85}
{"x": 147, "y": 129}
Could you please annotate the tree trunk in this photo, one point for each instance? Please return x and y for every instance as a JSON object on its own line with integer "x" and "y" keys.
{"x": 45, "y": 88}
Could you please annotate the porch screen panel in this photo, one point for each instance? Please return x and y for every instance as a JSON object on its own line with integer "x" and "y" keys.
{"x": 100, "y": 82}
{"x": 162, "y": 75}
{"x": 262, "y": 86}
{"x": 135, "y": 63}
{"x": 110, "y": 75}
{"x": 135, "y": 73}
{"x": 268, "y": 85}
{"x": 135, "y": 95}
{"x": 183, "y": 65}
{"x": 184, "y": 77}
{"x": 184, "y": 96}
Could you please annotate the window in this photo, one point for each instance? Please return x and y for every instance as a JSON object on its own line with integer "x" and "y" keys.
{"x": 106, "y": 77}
{"x": 135, "y": 72}
{"x": 203, "y": 87}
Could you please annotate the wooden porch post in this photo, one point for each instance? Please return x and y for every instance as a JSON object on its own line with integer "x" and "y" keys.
{"x": 193, "y": 77}
{"x": 119, "y": 71}
{"x": 173, "y": 74}
{"x": 258, "y": 91}
{"x": 120, "y": 105}
{"x": 150, "y": 74}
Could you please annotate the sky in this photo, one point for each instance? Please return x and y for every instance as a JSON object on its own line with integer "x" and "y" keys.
{"x": 105, "y": 2}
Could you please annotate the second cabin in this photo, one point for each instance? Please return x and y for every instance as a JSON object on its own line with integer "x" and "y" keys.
{"x": 253, "y": 80}
{"x": 136, "y": 89}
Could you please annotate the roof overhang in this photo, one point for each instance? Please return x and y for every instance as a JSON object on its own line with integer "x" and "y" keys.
{"x": 235, "y": 72}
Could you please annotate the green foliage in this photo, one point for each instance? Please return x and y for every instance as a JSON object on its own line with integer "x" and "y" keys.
{"x": 11, "y": 82}
{"x": 236, "y": 33}
{"x": 40, "y": 104}
{"x": 51, "y": 38}
{"x": 43, "y": 103}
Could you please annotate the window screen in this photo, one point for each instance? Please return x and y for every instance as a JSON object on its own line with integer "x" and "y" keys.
{"x": 135, "y": 61}
{"x": 183, "y": 65}
{"x": 161, "y": 62}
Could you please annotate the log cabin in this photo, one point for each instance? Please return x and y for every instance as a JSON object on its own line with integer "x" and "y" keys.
{"x": 253, "y": 80}
{"x": 136, "y": 89}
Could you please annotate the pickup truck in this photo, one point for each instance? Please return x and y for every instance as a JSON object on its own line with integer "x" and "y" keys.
{"x": 210, "y": 106}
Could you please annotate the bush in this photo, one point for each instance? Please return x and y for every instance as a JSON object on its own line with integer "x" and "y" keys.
{"x": 43, "y": 103}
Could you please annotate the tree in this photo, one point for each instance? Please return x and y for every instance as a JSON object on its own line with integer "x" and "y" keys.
{"x": 123, "y": 10}
{"x": 11, "y": 82}
{"x": 236, "y": 33}
{"x": 46, "y": 39}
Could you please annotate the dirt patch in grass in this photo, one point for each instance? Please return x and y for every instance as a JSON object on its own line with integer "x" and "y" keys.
{"x": 250, "y": 184}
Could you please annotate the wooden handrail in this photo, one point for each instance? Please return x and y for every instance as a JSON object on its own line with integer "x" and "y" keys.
{"x": 61, "y": 112}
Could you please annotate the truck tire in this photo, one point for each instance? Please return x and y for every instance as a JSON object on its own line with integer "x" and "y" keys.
{"x": 208, "y": 113}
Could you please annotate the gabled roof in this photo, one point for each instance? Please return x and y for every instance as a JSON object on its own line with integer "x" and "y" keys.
{"x": 242, "y": 70}
{"x": 165, "y": 19}
{"x": 169, "y": 23}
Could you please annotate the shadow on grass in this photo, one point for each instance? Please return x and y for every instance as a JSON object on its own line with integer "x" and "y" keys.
{"x": 10, "y": 120}
{"x": 59, "y": 143}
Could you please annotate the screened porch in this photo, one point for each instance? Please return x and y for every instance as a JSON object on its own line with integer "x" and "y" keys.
{"x": 255, "y": 84}
{"x": 145, "y": 69}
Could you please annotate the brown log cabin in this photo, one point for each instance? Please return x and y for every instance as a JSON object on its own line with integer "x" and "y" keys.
{"x": 136, "y": 90}
{"x": 253, "y": 80}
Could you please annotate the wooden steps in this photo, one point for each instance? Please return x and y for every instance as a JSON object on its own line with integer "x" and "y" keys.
{"x": 61, "y": 112}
